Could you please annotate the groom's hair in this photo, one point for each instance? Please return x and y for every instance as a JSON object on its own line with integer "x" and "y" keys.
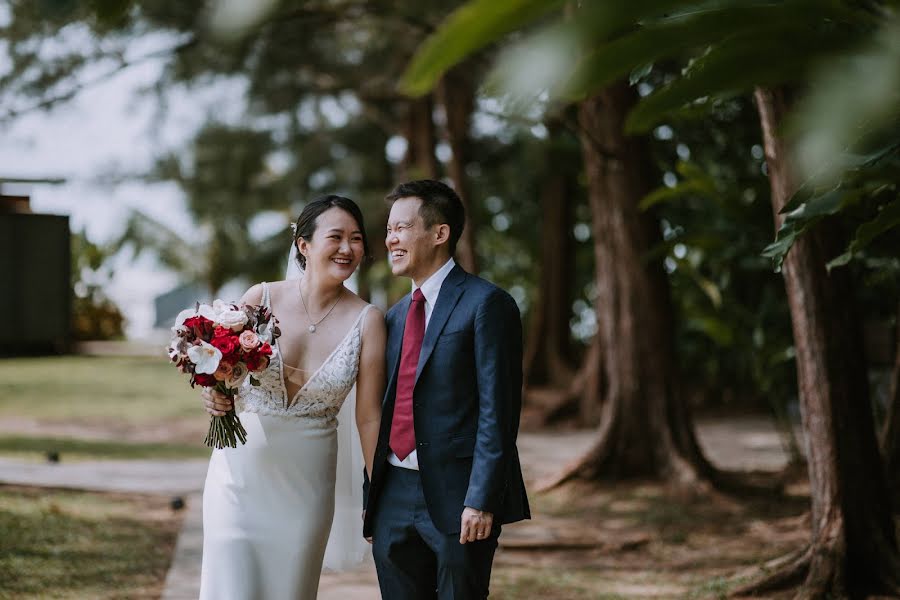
{"x": 440, "y": 204}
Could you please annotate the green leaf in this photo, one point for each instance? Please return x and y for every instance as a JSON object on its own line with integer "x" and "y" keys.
{"x": 670, "y": 37}
{"x": 839, "y": 261}
{"x": 694, "y": 183}
{"x": 470, "y": 28}
{"x": 888, "y": 218}
{"x": 736, "y": 65}
{"x": 805, "y": 216}
{"x": 716, "y": 329}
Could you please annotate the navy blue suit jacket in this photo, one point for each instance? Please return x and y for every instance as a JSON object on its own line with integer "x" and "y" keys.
{"x": 467, "y": 401}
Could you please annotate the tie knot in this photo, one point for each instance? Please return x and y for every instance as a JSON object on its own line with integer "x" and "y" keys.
{"x": 418, "y": 296}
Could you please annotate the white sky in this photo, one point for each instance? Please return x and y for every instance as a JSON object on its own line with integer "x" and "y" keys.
{"x": 109, "y": 128}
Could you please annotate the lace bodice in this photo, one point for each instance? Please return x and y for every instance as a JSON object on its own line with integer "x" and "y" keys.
{"x": 321, "y": 397}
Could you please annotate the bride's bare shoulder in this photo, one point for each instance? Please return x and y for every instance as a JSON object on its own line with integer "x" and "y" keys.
{"x": 353, "y": 300}
{"x": 254, "y": 295}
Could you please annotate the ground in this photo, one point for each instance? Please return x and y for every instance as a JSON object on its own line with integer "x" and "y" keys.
{"x": 635, "y": 540}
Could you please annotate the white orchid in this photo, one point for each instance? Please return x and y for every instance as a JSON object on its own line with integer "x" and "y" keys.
{"x": 182, "y": 317}
{"x": 205, "y": 357}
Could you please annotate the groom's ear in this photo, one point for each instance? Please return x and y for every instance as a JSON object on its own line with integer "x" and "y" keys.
{"x": 442, "y": 234}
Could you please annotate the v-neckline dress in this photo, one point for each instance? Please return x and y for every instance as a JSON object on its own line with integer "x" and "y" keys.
{"x": 268, "y": 505}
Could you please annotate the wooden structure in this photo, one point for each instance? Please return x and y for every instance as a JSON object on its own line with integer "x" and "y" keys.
{"x": 35, "y": 278}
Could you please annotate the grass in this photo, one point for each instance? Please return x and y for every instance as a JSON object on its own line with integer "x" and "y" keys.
{"x": 574, "y": 584}
{"x": 67, "y": 544}
{"x": 130, "y": 389}
{"x": 36, "y": 448}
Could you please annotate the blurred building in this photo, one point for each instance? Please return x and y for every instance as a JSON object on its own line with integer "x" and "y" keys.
{"x": 35, "y": 275}
{"x": 171, "y": 303}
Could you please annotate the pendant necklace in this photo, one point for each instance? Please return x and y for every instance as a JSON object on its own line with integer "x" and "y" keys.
{"x": 312, "y": 326}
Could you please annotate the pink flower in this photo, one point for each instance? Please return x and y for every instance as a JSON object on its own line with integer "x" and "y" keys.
{"x": 249, "y": 340}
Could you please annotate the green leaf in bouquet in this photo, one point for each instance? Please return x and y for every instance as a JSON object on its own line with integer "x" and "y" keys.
{"x": 254, "y": 382}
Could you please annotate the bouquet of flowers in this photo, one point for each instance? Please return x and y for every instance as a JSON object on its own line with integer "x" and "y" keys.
{"x": 220, "y": 346}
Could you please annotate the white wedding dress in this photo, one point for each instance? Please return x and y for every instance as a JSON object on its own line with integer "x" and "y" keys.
{"x": 268, "y": 505}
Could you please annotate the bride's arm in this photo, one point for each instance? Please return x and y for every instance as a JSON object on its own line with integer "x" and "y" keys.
{"x": 370, "y": 384}
{"x": 215, "y": 403}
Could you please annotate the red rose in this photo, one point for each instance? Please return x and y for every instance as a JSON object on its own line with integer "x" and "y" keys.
{"x": 221, "y": 332}
{"x": 201, "y": 326}
{"x": 266, "y": 349}
{"x": 256, "y": 360}
{"x": 227, "y": 344}
{"x": 206, "y": 380}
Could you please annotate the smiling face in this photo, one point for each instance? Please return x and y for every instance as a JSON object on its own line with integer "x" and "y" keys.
{"x": 414, "y": 249}
{"x": 336, "y": 247}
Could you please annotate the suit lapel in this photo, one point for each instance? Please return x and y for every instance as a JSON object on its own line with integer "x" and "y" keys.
{"x": 451, "y": 290}
{"x": 395, "y": 339}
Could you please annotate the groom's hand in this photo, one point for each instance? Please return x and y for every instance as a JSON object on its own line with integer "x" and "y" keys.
{"x": 217, "y": 404}
{"x": 368, "y": 539}
{"x": 476, "y": 525}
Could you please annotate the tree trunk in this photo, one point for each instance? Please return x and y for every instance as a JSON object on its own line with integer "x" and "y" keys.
{"x": 646, "y": 430}
{"x": 548, "y": 354}
{"x": 418, "y": 129}
{"x": 853, "y": 551}
{"x": 457, "y": 93}
{"x": 890, "y": 434}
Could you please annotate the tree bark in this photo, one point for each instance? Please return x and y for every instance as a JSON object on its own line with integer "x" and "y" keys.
{"x": 890, "y": 434}
{"x": 419, "y": 161}
{"x": 548, "y": 354}
{"x": 853, "y": 550}
{"x": 646, "y": 429}
{"x": 457, "y": 94}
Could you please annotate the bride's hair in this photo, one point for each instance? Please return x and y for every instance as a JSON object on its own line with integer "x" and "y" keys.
{"x": 305, "y": 227}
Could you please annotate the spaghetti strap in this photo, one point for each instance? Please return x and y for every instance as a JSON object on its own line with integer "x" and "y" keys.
{"x": 361, "y": 317}
{"x": 266, "y": 301}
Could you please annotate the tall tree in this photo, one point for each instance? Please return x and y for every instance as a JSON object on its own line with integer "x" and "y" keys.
{"x": 634, "y": 313}
{"x": 853, "y": 547}
{"x": 549, "y": 356}
{"x": 457, "y": 95}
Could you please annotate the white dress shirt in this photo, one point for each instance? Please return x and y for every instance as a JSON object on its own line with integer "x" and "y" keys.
{"x": 431, "y": 288}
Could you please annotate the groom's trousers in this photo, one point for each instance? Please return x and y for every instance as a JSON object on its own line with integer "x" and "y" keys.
{"x": 416, "y": 561}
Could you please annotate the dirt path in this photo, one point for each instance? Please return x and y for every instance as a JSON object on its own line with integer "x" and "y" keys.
{"x": 631, "y": 541}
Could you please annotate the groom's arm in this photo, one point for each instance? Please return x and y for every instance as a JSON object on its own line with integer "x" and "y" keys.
{"x": 498, "y": 364}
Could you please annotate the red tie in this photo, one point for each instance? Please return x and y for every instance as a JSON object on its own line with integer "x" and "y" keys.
{"x": 403, "y": 434}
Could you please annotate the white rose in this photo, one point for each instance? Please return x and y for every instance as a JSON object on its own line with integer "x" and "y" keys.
{"x": 232, "y": 319}
{"x": 205, "y": 357}
{"x": 220, "y": 306}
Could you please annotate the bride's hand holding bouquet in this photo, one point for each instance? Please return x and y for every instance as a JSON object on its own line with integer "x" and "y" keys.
{"x": 220, "y": 345}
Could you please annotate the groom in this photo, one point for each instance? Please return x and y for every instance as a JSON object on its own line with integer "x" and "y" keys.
{"x": 446, "y": 473}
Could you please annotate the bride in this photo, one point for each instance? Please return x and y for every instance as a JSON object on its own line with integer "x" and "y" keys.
{"x": 268, "y": 505}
